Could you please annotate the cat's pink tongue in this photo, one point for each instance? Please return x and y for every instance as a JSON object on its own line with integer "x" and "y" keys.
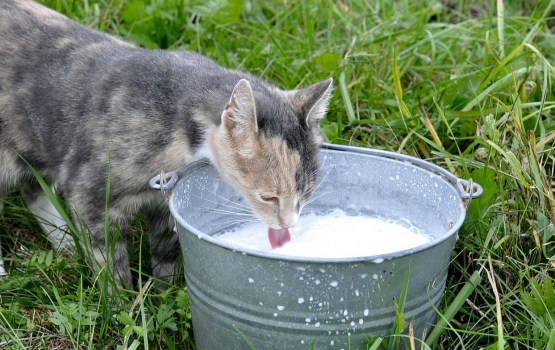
{"x": 278, "y": 237}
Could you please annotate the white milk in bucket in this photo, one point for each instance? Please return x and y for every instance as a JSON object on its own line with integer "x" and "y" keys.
{"x": 334, "y": 235}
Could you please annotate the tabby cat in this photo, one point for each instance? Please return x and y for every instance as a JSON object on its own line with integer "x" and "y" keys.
{"x": 79, "y": 106}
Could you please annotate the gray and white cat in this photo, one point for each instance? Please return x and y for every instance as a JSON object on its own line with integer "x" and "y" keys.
{"x": 76, "y": 104}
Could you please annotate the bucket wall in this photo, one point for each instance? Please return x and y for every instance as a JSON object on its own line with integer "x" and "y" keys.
{"x": 242, "y": 299}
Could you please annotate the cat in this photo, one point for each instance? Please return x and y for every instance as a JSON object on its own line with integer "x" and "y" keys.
{"x": 80, "y": 106}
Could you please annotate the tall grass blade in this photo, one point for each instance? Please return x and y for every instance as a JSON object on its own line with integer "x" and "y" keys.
{"x": 469, "y": 287}
{"x": 551, "y": 342}
{"x": 400, "y": 319}
{"x": 513, "y": 162}
{"x": 501, "y": 27}
{"x": 491, "y": 277}
{"x": 242, "y": 335}
{"x": 346, "y": 100}
{"x": 405, "y": 112}
{"x": 376, "y": 344}
{"x": 497, "y": 85}
{"x": 57, "y": 203}
{"x": 495, "y": 71}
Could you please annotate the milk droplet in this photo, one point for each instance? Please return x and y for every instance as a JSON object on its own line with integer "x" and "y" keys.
{"x": 375, "y": 276}
{"x": 275, "y": 314}
{"x": 334, "y": 283}
{"x": 360, "y": 321}
{"x": 357, "y": 293}
{"x": 251, "y": 280}
{"x": 317, "y": 324}
{"x": 300, "y": 300}
{"x": 317, "y": 282}
{"x": 280, "y": 307}
{"x": 366, "y": 311}
{"x": 352, "y": 323}
{"x": 307, "y": 320}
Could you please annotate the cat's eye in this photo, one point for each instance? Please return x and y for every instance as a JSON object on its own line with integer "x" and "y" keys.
{"x": 269, "y": 199}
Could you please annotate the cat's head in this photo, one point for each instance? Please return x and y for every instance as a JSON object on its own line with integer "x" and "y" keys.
{"x": 267, "y": 147}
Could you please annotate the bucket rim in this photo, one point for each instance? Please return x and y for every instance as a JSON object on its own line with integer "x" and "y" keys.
{"x": 430, "y": 167}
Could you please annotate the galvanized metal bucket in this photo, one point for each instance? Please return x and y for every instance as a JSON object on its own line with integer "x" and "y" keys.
{"x": 244, "y": 299}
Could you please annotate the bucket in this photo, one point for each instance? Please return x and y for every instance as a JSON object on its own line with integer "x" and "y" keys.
{"x": 247, "y": 299}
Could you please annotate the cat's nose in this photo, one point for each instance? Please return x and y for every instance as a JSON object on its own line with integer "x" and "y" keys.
{"x": 289, "y": 220}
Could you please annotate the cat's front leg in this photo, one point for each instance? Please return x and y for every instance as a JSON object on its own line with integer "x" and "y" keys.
{"x": 48, "y": 217}
{"x": 164, "y": 244}
{"x": 105, "y": 247}
{"x": 110, "y": 252}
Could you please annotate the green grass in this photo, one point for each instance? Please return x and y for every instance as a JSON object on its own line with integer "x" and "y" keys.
{"x": 448, "y": 81}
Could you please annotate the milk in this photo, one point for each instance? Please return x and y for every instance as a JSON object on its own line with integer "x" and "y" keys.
{"x": 334, "y": 235}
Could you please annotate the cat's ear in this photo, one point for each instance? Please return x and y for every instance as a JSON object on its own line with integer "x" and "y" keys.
{"x": 239, "y": 115}
{"x": 312, "y": 103}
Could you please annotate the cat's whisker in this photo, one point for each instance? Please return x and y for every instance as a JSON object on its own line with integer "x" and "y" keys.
{"x": 318, "y": 172}
{"x": 239, "y": 209}
{"x": 245, "y": 221}
{"x": 234, "y": 224}
{"x": 226, "y": 212}
{"x": 219, "y": 179}
{"x": 312, "y": 199}
{"x": 324, "y": 167}
{"x": 320, "y": 182}
{"x": 244, "y": 210}
{"x": 239, "y": 205}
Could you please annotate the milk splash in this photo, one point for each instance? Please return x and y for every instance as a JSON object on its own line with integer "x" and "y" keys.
{"x": 334, "y": 235}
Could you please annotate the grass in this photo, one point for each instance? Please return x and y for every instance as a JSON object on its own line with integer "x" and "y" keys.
{"x": 451, "y": 81}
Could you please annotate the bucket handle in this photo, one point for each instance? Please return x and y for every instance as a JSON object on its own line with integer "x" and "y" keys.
{"x": 166, "y": 181}
{"x": 468, "y": 189}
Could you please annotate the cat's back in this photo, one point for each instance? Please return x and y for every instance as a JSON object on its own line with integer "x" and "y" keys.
{"x": 43, "y": 50}
{"x": 35, "y": 39}
{"x": 26, "y": 24}
{"x": 17, "y": 14}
